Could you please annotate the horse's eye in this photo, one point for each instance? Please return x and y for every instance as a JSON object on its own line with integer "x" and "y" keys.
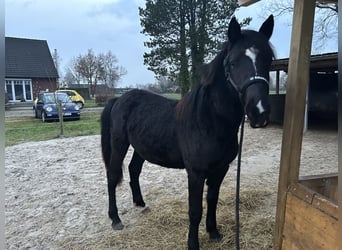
{"x": 232, "y": 65}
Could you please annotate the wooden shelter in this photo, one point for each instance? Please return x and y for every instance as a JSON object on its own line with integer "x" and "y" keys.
{"x": 306, "y": 216}
{"x": 322, "y": 94}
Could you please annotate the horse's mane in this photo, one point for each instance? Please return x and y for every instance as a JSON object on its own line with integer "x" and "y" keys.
{"x": 191, "y": 103}
{"x": 187, "y": 105}
{"x": 209, "y": 72}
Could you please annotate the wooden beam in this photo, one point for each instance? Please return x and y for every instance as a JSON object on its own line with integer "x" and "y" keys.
{"x": 308, "y": 226}
{"x": 297, "y": 83}
{"x": 328, "y": 1}
{"x": 328, "y": 61}
{"x": 247, "y": 2}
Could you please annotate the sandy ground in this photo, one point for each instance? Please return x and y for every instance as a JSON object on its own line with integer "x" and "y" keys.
{"x": 56, "y": 190}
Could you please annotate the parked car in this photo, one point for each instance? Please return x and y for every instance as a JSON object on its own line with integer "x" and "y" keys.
{"x": 46, "y": 107}
{"x": 74, "y": 96}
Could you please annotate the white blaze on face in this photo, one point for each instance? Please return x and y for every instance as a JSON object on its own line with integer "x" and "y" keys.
{"x": 252, "y": 54}
{"x": 260, "y": 107}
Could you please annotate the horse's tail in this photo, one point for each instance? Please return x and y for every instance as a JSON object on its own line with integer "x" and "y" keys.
{"x": 105, "y": 132}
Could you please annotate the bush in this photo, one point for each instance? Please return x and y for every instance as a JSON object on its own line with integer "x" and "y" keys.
{"x": 101, "y": 100}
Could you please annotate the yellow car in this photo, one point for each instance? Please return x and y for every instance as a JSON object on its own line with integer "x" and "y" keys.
{"x": 74, "y": 96}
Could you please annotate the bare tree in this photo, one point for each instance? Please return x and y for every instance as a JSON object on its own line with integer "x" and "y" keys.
{"x": 57, "y": 60}
{"x": 90, "y": 67}
{"x": 166, "y": 84}
{"x": 71, "y": 75}
{"x": 95, "y": 69}
{"x": 326, "y": 18}
{"x": 68, "y": 79}
{"x": 112, "y": 71}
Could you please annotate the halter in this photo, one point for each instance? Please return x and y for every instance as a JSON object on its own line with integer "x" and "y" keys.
{"x": 251, "y": 81}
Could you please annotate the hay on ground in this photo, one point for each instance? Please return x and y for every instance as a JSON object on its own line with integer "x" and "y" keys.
{"x": 166, "y": 226}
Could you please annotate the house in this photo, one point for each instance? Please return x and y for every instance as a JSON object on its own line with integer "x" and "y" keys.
{"x": 29, "y": 69}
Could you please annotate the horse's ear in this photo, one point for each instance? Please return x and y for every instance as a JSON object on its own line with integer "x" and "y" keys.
{"x": 267, "y": 27}
{"x": 234, "y": 30}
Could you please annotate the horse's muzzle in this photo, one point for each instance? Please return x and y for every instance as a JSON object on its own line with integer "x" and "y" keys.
{"x": 260, "y": 121}
{"x": 257, "y": 105}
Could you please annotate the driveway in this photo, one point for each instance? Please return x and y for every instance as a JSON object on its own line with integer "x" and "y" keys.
{"x": 27, "y": 111}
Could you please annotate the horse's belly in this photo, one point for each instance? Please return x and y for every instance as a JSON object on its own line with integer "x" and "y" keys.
{"x": 163, "y": 157}
{"x": 159, "y": 151}
{"x": 169, "y": 164}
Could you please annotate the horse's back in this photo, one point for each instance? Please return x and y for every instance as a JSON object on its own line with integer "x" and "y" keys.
{"x": 145, "y": 107}
{"x": 148, "y": 122}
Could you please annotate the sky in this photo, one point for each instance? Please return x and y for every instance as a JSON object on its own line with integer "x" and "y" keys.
{"x": 74, "y": 26}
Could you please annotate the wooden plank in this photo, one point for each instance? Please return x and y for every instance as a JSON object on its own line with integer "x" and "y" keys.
{"x": 325, "y": 205}
{"x": 298, "y": 78}
{"x": 247, "y": 2}
{"x": 318, "y": 176}
{"x": 307, "y": 227}
{"x": 327, "y": 1}
{"x": 315, "y": 199}
{"x": 325, "y": 185}
{"x": 302, "y": 192}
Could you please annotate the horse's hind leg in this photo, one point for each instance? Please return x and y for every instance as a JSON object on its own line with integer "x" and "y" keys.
{"x": 135, "y": 167}
{"x": 114, "y": 176}
{"x": 214, "y": 181}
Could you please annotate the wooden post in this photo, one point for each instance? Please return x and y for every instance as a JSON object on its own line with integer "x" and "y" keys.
{"x": 298, "y": 77}
{"x": 60, "y": 115}
{"x": 277, "y": 82}
{"x": 306, "y": 112}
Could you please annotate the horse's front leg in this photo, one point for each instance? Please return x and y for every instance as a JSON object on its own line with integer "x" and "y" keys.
{"x": 196, "y": 183}
{"x": 214, "y": 182}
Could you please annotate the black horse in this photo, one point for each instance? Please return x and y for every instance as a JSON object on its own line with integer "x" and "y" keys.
{"x": 198, "y": 133}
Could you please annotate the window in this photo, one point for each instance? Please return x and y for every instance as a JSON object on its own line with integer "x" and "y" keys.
{"x": 19, "y": 89}
{"x": 8, "y": 90}
{"x": 28, "y": 90}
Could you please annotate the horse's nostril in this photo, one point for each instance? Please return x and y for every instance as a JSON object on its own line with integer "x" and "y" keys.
{"x": 259, "y": 123}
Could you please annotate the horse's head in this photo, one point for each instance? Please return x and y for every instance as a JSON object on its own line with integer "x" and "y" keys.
{"x": 247, "y": 66}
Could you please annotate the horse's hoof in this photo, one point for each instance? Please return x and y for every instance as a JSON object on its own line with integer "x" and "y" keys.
{"x": 193, "y": 246}
{"x": 146, "y": 210}
{"x": 215, "y": 236}
{"x": 140, "y": 203}
{"x": 117, "y": 226}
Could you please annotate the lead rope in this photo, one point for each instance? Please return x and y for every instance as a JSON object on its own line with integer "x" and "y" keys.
{"x": 237, "y": 201}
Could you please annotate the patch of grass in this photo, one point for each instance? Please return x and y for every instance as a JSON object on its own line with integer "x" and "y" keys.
{"x": 24, "y": 129}
{"x": 90, "y": 103}
{"x": 89, "y": 124}
{"x": 281, "y": 92}
{"x": 173, "y": 96}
